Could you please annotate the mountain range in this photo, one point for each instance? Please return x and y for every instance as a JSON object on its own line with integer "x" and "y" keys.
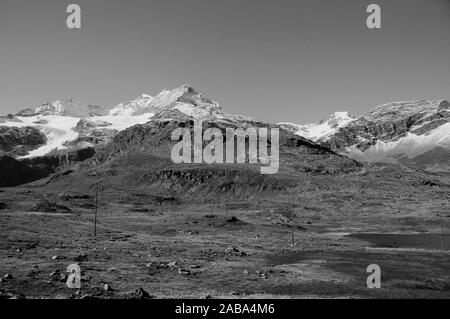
{"x": 412, "y": 133}
{"x": 68, "y": 124}
{"x": 36, "y": 142}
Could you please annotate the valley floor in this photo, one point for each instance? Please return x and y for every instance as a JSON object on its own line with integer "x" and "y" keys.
{"x": 201, "y": 251}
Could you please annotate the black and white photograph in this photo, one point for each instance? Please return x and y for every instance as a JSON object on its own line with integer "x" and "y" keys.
{"x": 224, "y": 155}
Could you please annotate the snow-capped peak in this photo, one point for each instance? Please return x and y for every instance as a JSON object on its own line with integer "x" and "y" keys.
{"x": 324, "y": 128}
{"x": 184, "y": 99}
{"x": 132, "y": 107}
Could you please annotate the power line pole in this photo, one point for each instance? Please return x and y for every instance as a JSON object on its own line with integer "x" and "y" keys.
{"x": 96, "y": 209}
{"x": 292, "y": 227}
{"x": 442, "y": 233}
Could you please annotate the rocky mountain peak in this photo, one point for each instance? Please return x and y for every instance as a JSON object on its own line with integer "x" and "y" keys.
{"x": 186, "y": 99}
{"x": 66, "y": 107}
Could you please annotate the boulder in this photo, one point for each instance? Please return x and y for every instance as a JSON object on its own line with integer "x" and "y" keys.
{"x": 140, "y": 293}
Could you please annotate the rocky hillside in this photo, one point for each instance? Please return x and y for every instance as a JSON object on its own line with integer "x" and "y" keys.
{"x": 15, "y": 172}
{"x": 415, "y": 133}
{"x": 154, "y": 138}
{"x": 139, "y": 159}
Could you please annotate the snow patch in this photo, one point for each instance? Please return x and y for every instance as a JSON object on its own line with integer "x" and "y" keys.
{"x": 410, "y": 146}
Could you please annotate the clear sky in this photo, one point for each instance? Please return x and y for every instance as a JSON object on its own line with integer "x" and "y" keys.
{"x": 278, "y": 60}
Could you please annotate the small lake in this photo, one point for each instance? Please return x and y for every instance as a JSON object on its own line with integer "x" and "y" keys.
{"x": 424, "y": 241}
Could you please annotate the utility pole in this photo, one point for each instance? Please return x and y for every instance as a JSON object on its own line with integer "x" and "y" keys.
{"x": 292, "y": 227}
{"x": 96, "y": 209}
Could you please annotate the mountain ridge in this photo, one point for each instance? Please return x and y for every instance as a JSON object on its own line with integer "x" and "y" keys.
{"x": 395, "y": 132}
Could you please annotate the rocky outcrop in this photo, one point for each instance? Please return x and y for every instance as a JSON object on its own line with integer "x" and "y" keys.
{"x": 92, "y": 133}
{"x": 18, "y": 141}
{"x": 85, "y": 126}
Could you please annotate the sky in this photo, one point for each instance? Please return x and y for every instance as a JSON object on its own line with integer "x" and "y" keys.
{"x": 281, "y": 61}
